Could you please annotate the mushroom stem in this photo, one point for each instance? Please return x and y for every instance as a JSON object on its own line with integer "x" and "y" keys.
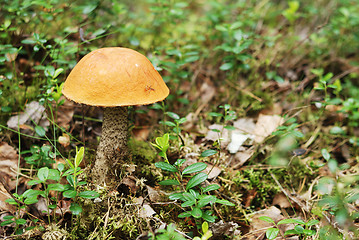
{"x": 113, "y": 144}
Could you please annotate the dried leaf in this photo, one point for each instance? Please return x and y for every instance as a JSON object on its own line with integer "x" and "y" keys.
{"x": 8, "y": 164}
{"x": 145, "y": 210}
{"x": 241, "y": 158}
{"x": 34, "y": 113}
{"x": 220, "y": 229}
{"x": 266, "y": 124}
{"x": 65, "y": 113}
{"x": 258, "y": 226}
{"x": 237, "y": 139}
{"x": 64, "y": 140}
{"x": 216, "y": 132}
{"x": 153, "y": 194}
{"x": 212, "y": 171}
{"x": 281, "y": 200}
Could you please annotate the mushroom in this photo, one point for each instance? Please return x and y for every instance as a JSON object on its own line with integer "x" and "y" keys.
{"x": 113, "y": 78}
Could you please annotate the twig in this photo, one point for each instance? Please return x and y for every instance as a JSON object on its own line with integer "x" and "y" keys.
{"x": 288, "y": 195}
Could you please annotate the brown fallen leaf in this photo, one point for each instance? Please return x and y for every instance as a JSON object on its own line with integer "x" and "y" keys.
{"x": 220, "y": 229}
{"x": 141, "y": 133}
{"x": 153, "y": 194}
{"x": 34, "y": 113}
{"x": 8, "y": 164}
{"x": 265, "y": 125}
{"x": 246, "y": 125}
{"x": 207, "y": 92}
{"x": 223, "y": 134}
{"x": 64, "y": 140}
{"x": 212, "y": 171}
{"x": 258, "y": 226}
{"x": 130, "y": 183}
{"x": 242, "y": 157}
{"x": 281, "y": 200}
{"x": 4, "y": 206}
{"x": 145, "y": 210}
{"x": 65, "y": 112}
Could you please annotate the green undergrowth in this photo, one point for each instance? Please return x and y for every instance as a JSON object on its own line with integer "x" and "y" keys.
{"x": 222, "y": 61}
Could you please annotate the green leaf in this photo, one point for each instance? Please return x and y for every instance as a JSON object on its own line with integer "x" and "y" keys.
{"x": 196, "y": 167}
{"x": 54, "y": 174}
{"x": 56, "y": 187}
{"x": 225, "y": 202}
{"x": 196, "y": 180}
{"x": 184, "y": 214}
{"x": 89, "y": 194}
{"x": 209, "y": 199}
{"x": 169, "y": 123}
{"x": 52, "y": 206}
{"x": 182, "y": 120}
{"x": 333, "y": 165}
{"x": 312, "y": 222}
{"x": 176, "y": 196}
{"x": 215, "y": 114}
{"x": 9, "y": 217}
{"x": 60, "y": 167}
{"x": 173, "y": 115}
{"x": 208, "y": 153}
{"x": 195, "y": 194}
{"x": 57, "y": 72}
{"x": 231, "y": 128}
{"x": 205, "y": 227}
{"x": 179, "y": 162}
{"x": 188, "y": 196}
{"x": 43, "y": 174}
{"x": 11, "y": 201}
{"x": 226, "y": 66}
{"x": 291, "y": 220}
{"x": 40, "y": 131}
{"x": 31, "y": 193}
{"x": 211, "y": 187}
{"x": 308, "y": 232}
{"x": 70, "y": 164}
{"x": 70, "y": 180}
{"x": 299, "y": 229}
{"x": 20, "y": 221}
{"x": 272, "y": 233}
{"x": 266, "y": 219}
{"x": 169, "y": 182}
{"x": 208, "y": 217}
{"x": 196, "y": 212}
{"x": 69, "y": 194}
{"x": 166, "y": 166}
{"x": 162, "y": 142}
{"x": 290, "y": 232}
{"x": 31, "y": 200}
{"x": 188, "y": 203}
{"x": 79, "y": 156}
{"x": 75, "y": 209}
{"x": 8, "y": 222}
{"x": 325, "y": 154}
{"x": 162, "y": 154}
{"x": 337, "y": 130}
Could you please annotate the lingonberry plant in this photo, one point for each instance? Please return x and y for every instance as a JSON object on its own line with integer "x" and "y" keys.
{"x": 195, "y": 198}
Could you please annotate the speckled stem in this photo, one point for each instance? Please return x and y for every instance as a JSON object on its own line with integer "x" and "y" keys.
{"x": 113, "y": 144}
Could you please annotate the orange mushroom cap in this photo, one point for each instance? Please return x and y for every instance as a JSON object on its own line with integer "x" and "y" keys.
{"x": 115, "y": 76}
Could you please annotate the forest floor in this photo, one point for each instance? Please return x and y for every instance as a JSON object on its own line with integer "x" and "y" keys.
{"x": 258, "y": 138}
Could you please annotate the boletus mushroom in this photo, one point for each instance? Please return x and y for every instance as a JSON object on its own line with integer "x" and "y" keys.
{"x": 113, "y": 78}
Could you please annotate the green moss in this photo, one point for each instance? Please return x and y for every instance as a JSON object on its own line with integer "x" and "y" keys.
{"x": 142, "y": 152}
